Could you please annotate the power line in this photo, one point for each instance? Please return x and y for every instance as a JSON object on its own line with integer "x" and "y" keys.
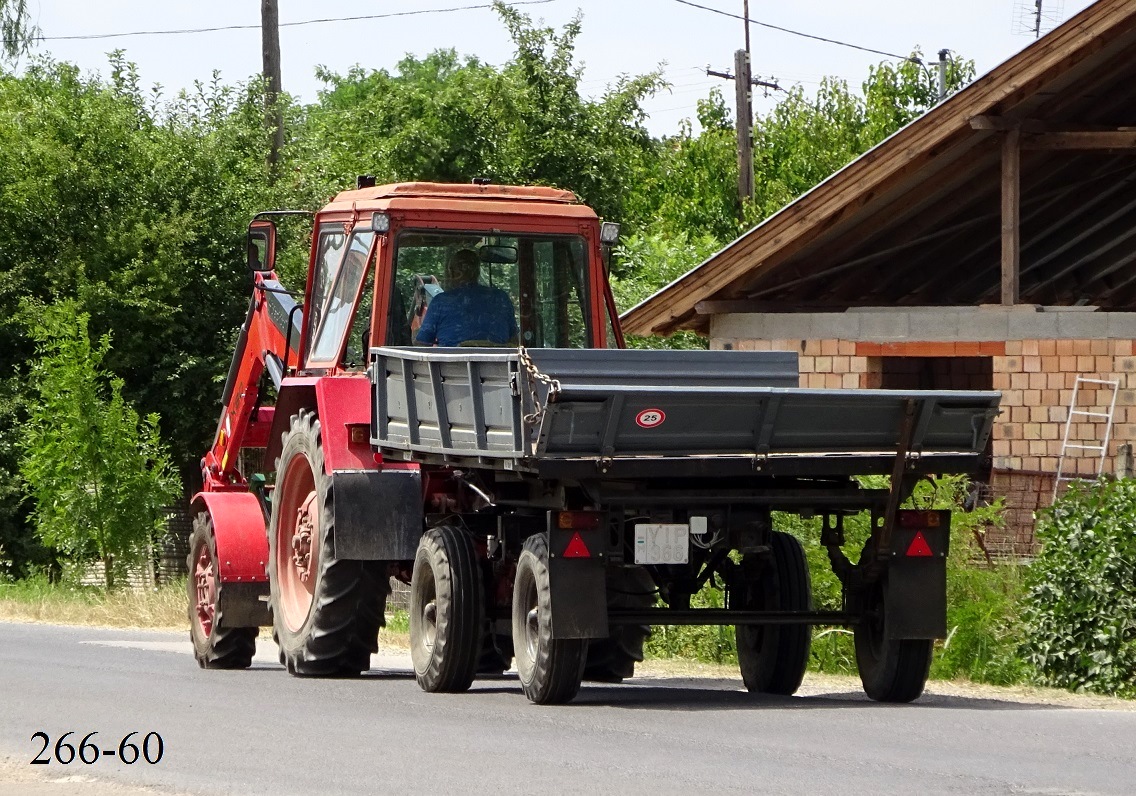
{"x": 798, "y": 33}
{"x": 86, "y": 36}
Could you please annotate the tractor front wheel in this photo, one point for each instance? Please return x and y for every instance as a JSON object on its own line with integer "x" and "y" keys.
{"x": 214, "y": 646}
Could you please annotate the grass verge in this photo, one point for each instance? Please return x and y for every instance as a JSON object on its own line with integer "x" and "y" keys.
{"x": 163, "y": 608}
{"x": 37, "y": 600}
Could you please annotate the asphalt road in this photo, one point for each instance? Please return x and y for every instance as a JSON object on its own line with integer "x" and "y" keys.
{"x": 262, "y": 731}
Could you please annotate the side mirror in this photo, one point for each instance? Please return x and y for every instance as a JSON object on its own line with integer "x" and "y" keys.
{"x": 261, "y": 246}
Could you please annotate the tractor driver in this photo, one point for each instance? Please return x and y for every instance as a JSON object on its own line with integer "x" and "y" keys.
{"x": 468, "y": 313}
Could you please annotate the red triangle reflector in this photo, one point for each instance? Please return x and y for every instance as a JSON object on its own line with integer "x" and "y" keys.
{"x": 919, "y": 547}
{"x": 577, "y": 549}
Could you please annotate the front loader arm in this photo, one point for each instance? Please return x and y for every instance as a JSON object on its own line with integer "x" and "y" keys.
{"x": 268, "y": 340}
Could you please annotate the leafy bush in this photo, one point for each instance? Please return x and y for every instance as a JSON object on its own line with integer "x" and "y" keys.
{"x": 1080, "y": 610}
{"x": 701, "y": 643}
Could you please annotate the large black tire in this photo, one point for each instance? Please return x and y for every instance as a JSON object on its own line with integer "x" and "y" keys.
{"x": 891, "y": 670}
{"x": 550, "y": 670}
{"x": 773, "y": 658}
{"x": 327, "y": 613}
{"x": 613, "y": 659}
{"x": 214, "y": 646}
{"x": 447, "y": 610}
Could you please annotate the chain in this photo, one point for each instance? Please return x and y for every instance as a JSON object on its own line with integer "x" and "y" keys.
{"x": 536, "y": 377}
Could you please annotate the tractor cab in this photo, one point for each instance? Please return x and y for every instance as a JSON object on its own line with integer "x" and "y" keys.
{"x": 498, "y": 266}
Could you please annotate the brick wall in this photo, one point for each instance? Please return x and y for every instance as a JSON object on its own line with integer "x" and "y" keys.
{"x": 1036, "y": 378}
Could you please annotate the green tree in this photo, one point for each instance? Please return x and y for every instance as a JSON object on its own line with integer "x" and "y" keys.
{"x": 692, "y": 188}
{"x": 98, "y": 473}
{"x": 689, "y": 193}
{"x": 17, "y": 31}
{"x": 150, "y": 198}
{"x": 448, "y": 118}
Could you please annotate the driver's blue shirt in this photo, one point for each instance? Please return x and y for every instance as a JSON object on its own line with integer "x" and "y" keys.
{"x": 468, "y": 312}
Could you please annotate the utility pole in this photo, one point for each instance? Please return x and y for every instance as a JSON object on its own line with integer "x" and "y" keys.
{"x": 270, "y": 47}
{"x": 943, "y": 74}
{"x": 744, "y": 102}
{"x": 743, "y": 82}
{"x": 744, "y": 123}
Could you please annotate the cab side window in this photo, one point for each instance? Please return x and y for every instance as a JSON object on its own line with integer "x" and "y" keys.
{"x": 337, "y": 297}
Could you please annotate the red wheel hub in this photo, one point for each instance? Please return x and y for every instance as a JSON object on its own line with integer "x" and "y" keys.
{"x": 297, "y": 543}
{"x": 307, "y": 523}
{"x": 206, "y": 587}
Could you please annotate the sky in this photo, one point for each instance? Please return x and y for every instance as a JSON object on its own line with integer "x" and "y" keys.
{"x": 628, "y": 37}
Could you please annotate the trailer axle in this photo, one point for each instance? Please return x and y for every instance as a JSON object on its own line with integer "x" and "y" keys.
{"x": 720, "y": 616}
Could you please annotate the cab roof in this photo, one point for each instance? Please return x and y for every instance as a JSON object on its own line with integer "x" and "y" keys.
{"x": 462, "y": 197}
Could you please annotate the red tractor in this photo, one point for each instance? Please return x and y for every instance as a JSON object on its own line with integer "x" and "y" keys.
{"x": 547, "y": 497}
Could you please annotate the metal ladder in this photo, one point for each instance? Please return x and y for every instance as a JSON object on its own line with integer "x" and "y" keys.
{"x": 1066, "y": 445}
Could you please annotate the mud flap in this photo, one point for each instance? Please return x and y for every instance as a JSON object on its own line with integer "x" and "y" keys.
{"x": 915, "y": 589}
{"x": 243, "y": 605}
{"x": 378, "y": 515}
{"x": 578, "y": 583}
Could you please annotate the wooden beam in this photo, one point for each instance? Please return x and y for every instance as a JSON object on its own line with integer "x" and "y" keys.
{"x": 732, "y": 306}
{"x": 1003, "y": 123}
{"x": 1011, "y": 215}
{"x": 1112, "y": 139}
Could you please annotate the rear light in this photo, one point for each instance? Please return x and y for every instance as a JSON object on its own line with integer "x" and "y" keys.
{"x": 908, "y": 518}
{"x": 579, "y": 520}
{"x": 358, "y": 434}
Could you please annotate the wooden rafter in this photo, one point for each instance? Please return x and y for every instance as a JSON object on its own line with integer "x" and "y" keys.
{"x": 1110, "y": 140}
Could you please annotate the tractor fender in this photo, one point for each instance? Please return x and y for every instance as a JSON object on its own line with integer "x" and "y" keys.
{"x": 343, "y": 405}
{"x": 241, "y": 534}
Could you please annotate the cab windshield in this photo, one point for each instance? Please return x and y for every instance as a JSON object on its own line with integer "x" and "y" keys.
{"x": 468, "y": 289}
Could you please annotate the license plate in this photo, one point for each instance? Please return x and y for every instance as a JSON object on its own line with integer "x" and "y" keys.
{"x": 662, "y": 544}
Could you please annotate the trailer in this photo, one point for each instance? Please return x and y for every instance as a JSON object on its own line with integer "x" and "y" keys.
{"x": 551, "y": 500}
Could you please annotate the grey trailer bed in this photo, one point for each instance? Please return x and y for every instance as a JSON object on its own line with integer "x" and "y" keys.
{"x": 579, "y": 413}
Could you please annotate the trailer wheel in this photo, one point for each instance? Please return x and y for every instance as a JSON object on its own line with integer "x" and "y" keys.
{"x": 550, "y": 669}
{"x": 447, "y": 610}
{"x": 326, "y": 612}
{"x": 891, "y": 670}
{"x": 773, "y": 658}
{"x": 613, "y": 659}
{"x": 214, "y": 646}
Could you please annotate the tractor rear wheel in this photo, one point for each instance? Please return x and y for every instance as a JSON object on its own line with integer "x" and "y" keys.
{"x": 326, "y": 612}
{"x": 773, "y": 658}
{"x": 447, "y": 610}
{"x": 613, "y": 659}
{"x": 214, "y": 646}
{"x": 550, "y": 669}
{"x": 891, "y": 670}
